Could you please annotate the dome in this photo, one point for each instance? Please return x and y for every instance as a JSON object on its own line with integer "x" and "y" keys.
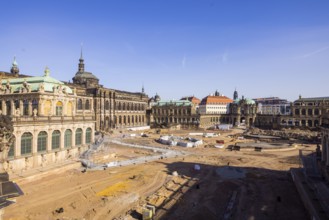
{"x": 250, "y": 102}
{"x": 236, "y": 101}
{"x": 86, "y": 75}
{"x": 157, "y": 97}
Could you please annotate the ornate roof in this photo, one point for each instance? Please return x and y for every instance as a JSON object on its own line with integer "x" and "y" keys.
{"x": 36, "y": 83}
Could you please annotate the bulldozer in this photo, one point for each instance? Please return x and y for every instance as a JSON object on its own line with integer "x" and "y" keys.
{"x": 148, "y": 212}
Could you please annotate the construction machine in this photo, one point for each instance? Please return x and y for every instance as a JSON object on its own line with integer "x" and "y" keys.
{"x": 148, "y": 212}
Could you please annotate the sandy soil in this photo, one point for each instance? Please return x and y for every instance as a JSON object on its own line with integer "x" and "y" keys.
{"x": 258, "y": 185}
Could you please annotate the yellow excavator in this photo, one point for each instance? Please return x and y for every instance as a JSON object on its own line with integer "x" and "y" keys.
{"x": 148, "y": 212}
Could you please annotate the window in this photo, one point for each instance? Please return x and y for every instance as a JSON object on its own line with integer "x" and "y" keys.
{"x": 68, "y": 138}
{"x": 26, "y": 143}
{"x": 56, "y": 139}
{"x": 87, "y": 105}
{"x": 11, "y": 152}
{"x": 79, "y": 104}
{"x": 78, "y": 136}
{"x": 35, "y": 104}
{"x": 16, "y": 102}
{"x": 88, "y": 136}
{"x": 42, "y": 141}
{"x": 59, "y": 108}
{"x": 107, "y": 105}
{"x": 8, "y": 107}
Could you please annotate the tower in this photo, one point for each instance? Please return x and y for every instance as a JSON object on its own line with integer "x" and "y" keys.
{"x": 235, "y": 95}
{"x": 14, "y": 68}
{"x": 81, "y": 63}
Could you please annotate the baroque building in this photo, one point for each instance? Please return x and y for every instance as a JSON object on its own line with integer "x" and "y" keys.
{"x": 168, "y": 113}
{"x": 243, "y": 111}
{"x": 47, "y": 127}
{"x": 54, "y": 121}
{"x": 113, "y": 109}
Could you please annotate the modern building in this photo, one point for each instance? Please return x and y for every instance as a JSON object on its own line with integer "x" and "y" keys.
{"x": 273, "y": 106}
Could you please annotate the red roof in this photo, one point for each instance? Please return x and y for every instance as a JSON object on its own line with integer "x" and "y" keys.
{"x": 192, "y": 99}
{"x": 216, "y": 100}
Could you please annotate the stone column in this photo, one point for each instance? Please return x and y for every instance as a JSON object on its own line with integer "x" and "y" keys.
{"x": 50, "y": 134}
{"x": 21, "y": 108}
{"x": 83, "y": 136}
{"x": 61, "y": 144}
{"x": 73, "y": 136}
{"x": 35, "y": 143}
{"x": 40, "y": 108}
{"x": 30, "y": 108}
{"x": 17, "y": 151}
{"x": 12, "y": 104}
{"x": 4, "y": 107}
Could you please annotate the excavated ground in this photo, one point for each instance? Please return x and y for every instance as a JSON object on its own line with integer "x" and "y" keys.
{"x": 260, "y": 181}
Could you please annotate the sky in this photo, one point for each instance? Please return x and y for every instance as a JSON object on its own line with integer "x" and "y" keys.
{"x": 174, "y": 48}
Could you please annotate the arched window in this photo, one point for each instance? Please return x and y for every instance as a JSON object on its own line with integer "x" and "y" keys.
{"x": 59, "y": 109}
{"x": 79, "y": 104}
{"x": 132, "y": 119}
{"x": 35, "y": 104}
{"x": 124, "y": 119}
{"x": 128, "y": 119}
{"x": 42, "y": 141}
{"x": 25, "y": 107}
{"x": 69, "y": 109}
{"x": 87, "y": 105}
{"x": 78, "y": 136}
{"x": 68, "y": 138}
{"x": 11, "y": 152}
{"x": 88, "y": 136}
{"x": 26, "y": 143}
{"x": 8, "y": 107}
{"x": 124, "y": 106}
{"x": 120, "y": 119}
{"x": 16, "y": 103}
{"x": 119, "y": 106}
{"x": 55, "y": 139}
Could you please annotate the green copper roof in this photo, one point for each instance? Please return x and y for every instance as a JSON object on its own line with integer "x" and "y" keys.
{"x": 176, "y": 103}
{"x": 35, "y": 82}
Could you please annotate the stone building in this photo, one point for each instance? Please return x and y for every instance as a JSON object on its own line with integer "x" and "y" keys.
{"x": 54, "y": 121}
{"x": 168, "y": 113}
{"x": 114, "y": 109}
{"x": 243, "y": 111}
{"x": 214, "y": 110}
{"x": 307, "y": 112}
{"x": 47, "y": 126}
{"x": 215, "y": 104}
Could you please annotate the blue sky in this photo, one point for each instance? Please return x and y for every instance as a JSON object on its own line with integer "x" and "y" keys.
{"x": 175, "y": 47}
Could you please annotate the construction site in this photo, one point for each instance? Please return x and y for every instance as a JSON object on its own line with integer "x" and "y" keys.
{"x": 132, "y": 175}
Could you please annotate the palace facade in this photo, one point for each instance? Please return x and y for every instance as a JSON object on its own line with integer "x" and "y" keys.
{"x": 54, "y": 121}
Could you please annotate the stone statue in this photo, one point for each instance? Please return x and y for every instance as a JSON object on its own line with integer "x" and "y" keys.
{"x": 6, "y": 139}
{"x": 18, "y": 112}
{"x": 35, "y": 112}
{"x": 42, "y": 87}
